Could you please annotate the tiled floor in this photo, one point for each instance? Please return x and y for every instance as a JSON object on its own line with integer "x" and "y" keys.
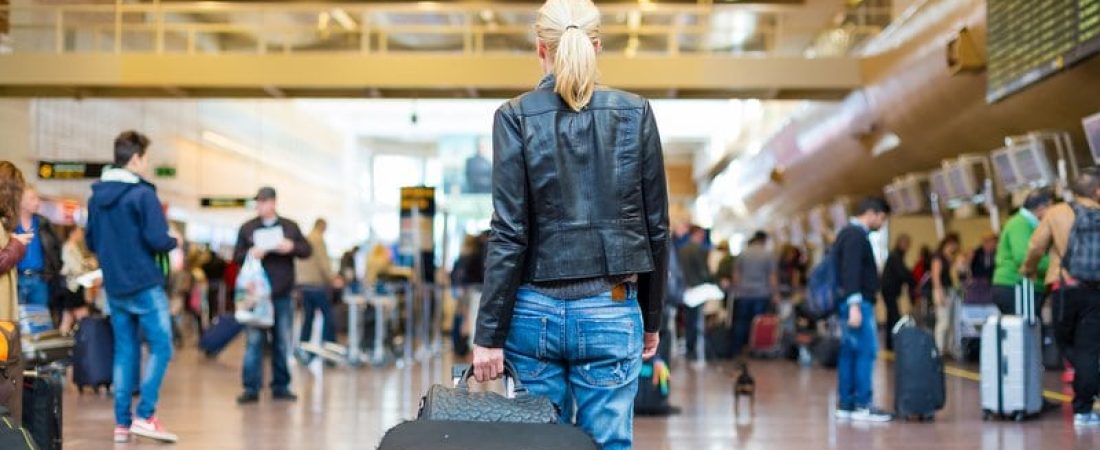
{"x": 350, "y": 409}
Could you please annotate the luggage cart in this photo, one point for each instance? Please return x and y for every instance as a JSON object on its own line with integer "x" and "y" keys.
{"x": 350, "y": 354}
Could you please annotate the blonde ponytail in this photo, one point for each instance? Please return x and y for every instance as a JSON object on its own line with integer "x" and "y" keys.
{"x": 570, "y": 29}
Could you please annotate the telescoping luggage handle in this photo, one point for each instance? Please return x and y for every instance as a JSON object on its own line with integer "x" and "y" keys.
{"x": 1025, "y": 301}
{"x": 513, "y": 386}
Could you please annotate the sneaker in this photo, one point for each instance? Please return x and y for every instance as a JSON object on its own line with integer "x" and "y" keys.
{"x": 285, "y": 396}
{"x": 1086, "y": 420}
{"x": 871, "y": 415}
{"x": 248, "y": 397}
{"x": 150, "y": 428}
{"x": 843, "y": 414}
{"x": 122, "y": 434}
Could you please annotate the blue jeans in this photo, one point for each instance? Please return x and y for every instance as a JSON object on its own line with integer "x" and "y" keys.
{"x": 584, "y": 352}
{"x": 746, "y": 309}
{"x": 279, "y": 336}
{"x": 144, "y": 314}
{"x": 317, "y": 298}
{"x": 856, "y": 362}
{"x": 33, "y": 290}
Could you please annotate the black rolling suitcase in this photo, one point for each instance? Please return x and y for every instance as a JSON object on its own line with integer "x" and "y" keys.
{"x": 919, "y": 379}
{"x": 93, "y": 354}
{"x": 42, "y": 389}
{"x": 12, "y": 436}
{"x": 434, "y": 431}
{"x": 221, "y": 332}
{"x": 448, "y": 435}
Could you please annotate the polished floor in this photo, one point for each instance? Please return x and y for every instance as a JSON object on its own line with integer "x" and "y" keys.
{"x": 343, "y": 408}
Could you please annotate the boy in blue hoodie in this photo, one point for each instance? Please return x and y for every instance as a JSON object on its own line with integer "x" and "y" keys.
{"x": 127, "y": 231}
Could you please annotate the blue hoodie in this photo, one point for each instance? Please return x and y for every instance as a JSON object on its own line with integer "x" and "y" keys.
{"x": 126, "y": 230}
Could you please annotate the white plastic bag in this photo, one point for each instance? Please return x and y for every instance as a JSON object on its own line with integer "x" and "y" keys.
{"x": 253, "y": 296}
{"x": 702, "y": 293}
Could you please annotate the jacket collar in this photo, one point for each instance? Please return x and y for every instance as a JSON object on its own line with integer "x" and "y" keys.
{"x": 120, "y": 175}
{"x": 1029, "y": 216}
{"x": 548, "y": 82}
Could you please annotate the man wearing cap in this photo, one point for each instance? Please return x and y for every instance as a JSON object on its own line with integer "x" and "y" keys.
{"x": 1012, "y": 250}
{"x": 276, "y": 241}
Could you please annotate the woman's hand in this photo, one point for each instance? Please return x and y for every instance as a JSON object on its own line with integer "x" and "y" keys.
{"x": 649, "y": 346}
{"x": 855, "y": 316}
{"x": 488, "y": 363}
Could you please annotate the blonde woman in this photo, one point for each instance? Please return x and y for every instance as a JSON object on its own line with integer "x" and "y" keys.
{"x": 76, "y": 260}
{"x": 577, "y": 261}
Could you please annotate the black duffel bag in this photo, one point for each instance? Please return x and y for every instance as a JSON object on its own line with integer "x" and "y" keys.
{"x": 459, "y": 404}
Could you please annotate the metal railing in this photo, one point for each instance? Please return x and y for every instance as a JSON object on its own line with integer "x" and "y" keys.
{"x": 461, "y": 28}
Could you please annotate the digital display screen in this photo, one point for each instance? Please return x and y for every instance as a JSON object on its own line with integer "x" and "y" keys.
{"x": 962, "y": 181}
{"x": 911, "y": 198}
{"x": 1028, "y": 40}
{"x": 1092, "y": 133}
{"x": 939, "y": 184}
{"x": 1030, "y": 164}
{"x": 1006, "y": 174}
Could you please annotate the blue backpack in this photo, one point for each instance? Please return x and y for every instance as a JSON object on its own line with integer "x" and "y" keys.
{"x": 823, "y": 288}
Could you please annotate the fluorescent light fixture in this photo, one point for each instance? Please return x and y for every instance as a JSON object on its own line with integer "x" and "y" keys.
{"x": 226, "y": 143}
{"x": 341, "y": 17}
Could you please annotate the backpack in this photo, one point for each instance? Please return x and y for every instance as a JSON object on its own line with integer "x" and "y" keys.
{"x": 1082, "y": 258}
{"x": 823, "y": 288}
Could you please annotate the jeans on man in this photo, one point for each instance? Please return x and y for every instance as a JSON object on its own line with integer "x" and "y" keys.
{"x": 279, "y": 337}
{"x": 856, "y": 362}
{"x": 584, "y": 352}
{"x": 1081, "y": 315}
{"x": 33, "y": 290}
{"x": 316, "y": 298}
{"x": 745, "y": 310}
{"x": 145, "y": 314}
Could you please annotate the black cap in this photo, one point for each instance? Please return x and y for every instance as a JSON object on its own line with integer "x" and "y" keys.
{"x": 265, "y": 193}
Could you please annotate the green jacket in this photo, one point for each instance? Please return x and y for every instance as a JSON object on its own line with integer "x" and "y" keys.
{"x": 1012, "y": 249}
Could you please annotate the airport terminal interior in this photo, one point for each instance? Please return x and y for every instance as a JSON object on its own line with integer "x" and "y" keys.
{"x": 370, "y": 124}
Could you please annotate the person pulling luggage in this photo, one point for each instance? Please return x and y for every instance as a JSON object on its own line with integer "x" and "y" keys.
{"x": 577, "y": 262}
{"x": 1070, "y": 234}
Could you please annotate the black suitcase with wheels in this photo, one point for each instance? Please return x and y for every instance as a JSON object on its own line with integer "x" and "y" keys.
{"x": 919, "y": 379}
{"x": 93, "y": 354}
{"x": 224, "y": 329}
{"x": 42, "y": 389}
{"x": 12, "y": 436}
{"x": 448, "y": 435}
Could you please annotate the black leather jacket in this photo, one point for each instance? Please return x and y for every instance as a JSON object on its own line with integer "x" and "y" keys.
{"x": 576, "y": 195}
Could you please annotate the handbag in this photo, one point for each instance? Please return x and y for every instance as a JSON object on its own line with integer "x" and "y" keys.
{"x": 459, "y": 404}
{"x": 11, "y": 367}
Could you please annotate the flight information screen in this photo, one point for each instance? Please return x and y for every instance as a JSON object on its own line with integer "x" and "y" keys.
{"x": 1032, "y": 39}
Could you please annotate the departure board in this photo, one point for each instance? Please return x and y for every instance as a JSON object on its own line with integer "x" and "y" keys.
{"x": 1031, "y": 39}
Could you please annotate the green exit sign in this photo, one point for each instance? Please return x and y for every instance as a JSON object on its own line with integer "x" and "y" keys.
{"x": 165, "y": 172}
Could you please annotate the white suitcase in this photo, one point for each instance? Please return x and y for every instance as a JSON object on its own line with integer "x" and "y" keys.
{"x": 1011, "y": 361}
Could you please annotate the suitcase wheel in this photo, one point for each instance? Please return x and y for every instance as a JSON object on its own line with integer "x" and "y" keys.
{"x": 928, "y": 418}
{"x": 987, "y": 414}
{"x": 1019, "y": 417}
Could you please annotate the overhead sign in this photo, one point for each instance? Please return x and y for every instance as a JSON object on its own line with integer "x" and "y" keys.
{"x": 70, "y": 170}
{"x": 417, "y": 229}
{"x": 224, "y": 202}
{"x": 165, "y": 172}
